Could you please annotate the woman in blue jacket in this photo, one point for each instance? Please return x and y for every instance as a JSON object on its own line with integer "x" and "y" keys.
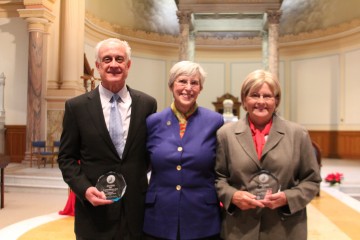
{"x": 181, "y": 201}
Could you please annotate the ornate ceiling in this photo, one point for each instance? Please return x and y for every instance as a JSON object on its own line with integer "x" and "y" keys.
{"x": 157, "y": 20}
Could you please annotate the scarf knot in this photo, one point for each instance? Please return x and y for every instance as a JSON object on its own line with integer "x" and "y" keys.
{"x": 183, "y": 117}
{"x": 259, "y": 136}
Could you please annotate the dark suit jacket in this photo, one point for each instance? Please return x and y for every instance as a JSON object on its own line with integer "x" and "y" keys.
{"x": 288, "y": 154}
{"x": 85, "y": 137}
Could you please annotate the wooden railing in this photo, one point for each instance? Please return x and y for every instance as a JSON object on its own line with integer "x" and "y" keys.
{"x": 333, "y": 144}
{"x": 15, "y": 142}
{"x": 338, "y": 144}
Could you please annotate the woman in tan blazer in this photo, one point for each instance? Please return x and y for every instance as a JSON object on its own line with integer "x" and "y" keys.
{"x": 266, "y": 168}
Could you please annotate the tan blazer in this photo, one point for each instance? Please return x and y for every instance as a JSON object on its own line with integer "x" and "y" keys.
{"x": 288, "y": 154}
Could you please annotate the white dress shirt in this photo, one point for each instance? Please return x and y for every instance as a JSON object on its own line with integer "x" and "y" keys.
{"x": 124, "y": 107}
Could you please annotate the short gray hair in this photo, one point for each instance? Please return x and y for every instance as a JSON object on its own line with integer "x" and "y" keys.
{"x": 187, "y": 68}
{"x": 122, "y": 43}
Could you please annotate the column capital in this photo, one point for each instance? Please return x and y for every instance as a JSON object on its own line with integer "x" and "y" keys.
{"x": 37, "y": 13}
{"x": 37, "y": 24}
{"x": 49, "y": 4}
{"x": 273, "y": 16}
{"x": 38, "y": 19}
{"x": 184, "y": 16}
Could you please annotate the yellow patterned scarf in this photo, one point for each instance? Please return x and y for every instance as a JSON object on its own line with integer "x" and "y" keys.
{"x": 183, "y": 117}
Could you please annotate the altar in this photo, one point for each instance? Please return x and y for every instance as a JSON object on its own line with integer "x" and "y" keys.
{"x": 229, "y": 106}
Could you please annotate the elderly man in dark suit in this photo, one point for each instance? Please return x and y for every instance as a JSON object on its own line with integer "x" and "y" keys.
{"x": 88, "y": 151}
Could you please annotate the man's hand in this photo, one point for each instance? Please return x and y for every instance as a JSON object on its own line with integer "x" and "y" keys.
{"x": 96, "y": 198}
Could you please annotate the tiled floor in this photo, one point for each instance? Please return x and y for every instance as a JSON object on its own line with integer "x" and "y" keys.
{"x": 350, "y": 169}
{"x": 351, "y": 175}
{"x": 26, "y": 210}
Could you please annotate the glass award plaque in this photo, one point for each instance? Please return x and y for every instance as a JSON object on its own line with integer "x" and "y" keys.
{"x": 263, "y": 183}
{"x": 113, "y": 185}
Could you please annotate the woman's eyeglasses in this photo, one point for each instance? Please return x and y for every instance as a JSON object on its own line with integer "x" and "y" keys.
{"x": 184, "y": 83}
{"x": 257, "y": 96}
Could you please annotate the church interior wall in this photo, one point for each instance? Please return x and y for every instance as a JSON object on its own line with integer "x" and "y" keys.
{"x": 333, "y": 75}
{"x": 319, "y": 79}
{"x": 14, "y": 64}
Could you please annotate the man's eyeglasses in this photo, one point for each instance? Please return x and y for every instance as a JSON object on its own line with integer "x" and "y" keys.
{"x": 184, "y": 83}
{"x": 257, "y": 96}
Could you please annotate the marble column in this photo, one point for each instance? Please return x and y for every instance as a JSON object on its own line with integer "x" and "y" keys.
{"x": 36, "y": 28}
{"x": 2, "y": 114}
{"x": 273, "y": 17}
{"x": 72, "y": 44}
{"x": 2, "y": 96}
{"x": 38, "y": 15}
{"x": 265, "y": 49}
{"x": 191, "y": 46}
{"x": 185, "y": 25}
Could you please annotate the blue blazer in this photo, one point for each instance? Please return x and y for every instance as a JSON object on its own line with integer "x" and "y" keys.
{"x": 181, "y": 196}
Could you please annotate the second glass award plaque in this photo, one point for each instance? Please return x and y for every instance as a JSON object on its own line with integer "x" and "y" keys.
{"x": 263, "y": 183}
{"x": 113, "y": 185}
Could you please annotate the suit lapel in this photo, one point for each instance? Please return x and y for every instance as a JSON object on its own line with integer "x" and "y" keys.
{"x": 134, "y": 120}
{"x": 243, "y": 134}
{"x": 276, "y": 134}
{"x": 97, "y": 117}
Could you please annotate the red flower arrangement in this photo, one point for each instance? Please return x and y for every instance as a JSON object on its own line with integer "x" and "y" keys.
{"x": 334, "y": 178}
